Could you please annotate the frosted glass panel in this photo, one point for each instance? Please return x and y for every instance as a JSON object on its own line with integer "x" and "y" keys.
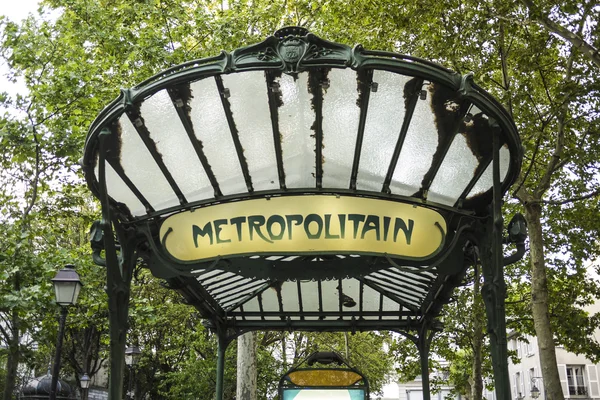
{"x": 270, "y": 302}
{"x": 384, "y": 120}
{"x": 119, "y": 191}
{"x": 331, "y": 298}
{"x": 351, "y": 291}
{"x": 370, "y": 301}
{"x": 250, "y": 306}
{"x": 340, "y": 126}
{"x": 211, "y": 128}
{"x": 417, "y": 153}
{"x": 310, "y": 297}
{"x": 455, "y": 173}
{"x": 390, "y": 305}
{"x": 250, "y": 109}
{"x": 140, "y": 168}
{"x": 289, "y": 296}
{"x": 173, "y": 143}
{"x": 486, "y": 181}
{"x": 295, "y": 119}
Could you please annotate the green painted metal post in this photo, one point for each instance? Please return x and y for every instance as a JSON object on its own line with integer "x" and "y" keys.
{"x": 119, "y": 272}
{"x": 494, "y": 288}
{"x": 423, "y": 346}
{"x": 222, "y": 346}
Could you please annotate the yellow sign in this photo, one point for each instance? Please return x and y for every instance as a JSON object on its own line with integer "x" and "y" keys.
{"x": 325, "y": 224}
{"x": 324, "y": 377}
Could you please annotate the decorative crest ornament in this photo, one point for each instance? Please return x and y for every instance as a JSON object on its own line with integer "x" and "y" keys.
{"x": 293, "y": 49}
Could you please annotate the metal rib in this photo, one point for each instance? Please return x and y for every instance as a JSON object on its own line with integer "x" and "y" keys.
{"x": 138, "y": 122}
{"x": 300, "y": 305}
{"x": 180, "y": 97}
{"x": 119, "y": 170}
{"x": 481, "y": 168}
{"x": 234, "y": 133}
{"x": 274, "y": 95}
{"x": 319, "y": 288}
{"x": 411, "y": 104}
{"x": 365, "y": 79}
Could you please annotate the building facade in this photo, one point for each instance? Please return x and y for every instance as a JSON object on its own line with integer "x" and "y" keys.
{"x": 578, "y": 375}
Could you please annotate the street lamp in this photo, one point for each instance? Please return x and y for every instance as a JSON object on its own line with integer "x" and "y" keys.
{"x": 66, "y": 290}
{"x": 535, "y": 392}
{"x": 84, "y": 382}
{"x": 132, "y": 356}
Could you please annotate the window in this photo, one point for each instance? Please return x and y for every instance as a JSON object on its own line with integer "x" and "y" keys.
{"x": 519, "y": 385}
{"x": 576, "y": 380}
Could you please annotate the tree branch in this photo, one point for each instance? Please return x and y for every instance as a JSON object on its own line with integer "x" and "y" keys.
{"x": 587, "y": 49}
{"x": 590, "y": 195}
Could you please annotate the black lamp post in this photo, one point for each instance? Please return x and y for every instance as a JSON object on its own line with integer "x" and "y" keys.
{"x": 132, "y": 356}
{"x": 66, "y": 289}
{"x": 84, "y": 382}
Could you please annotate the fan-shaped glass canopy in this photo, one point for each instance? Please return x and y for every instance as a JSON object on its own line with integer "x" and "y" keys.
{"x": 301, "y": 184}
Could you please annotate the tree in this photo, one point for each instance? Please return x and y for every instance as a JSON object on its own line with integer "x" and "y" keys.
{"x": 538, "y": 57}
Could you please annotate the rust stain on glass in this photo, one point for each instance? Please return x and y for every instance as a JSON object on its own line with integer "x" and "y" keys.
{"x": 275, "y": 97}
{"x": 447, "y": 107}
{"x": 317, "y": 85}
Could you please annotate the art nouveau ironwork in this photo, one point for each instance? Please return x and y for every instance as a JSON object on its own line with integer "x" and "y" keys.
{"x": 299, "y": 184}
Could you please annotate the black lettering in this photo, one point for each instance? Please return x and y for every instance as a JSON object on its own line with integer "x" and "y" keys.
{"x": 197, "y": 231}
{"x": 313, "y": 218}
{"x": 218, "y": 223}
{"x": 238, "y": 221}
{"x": 342, "y": 218}
{"x": 356, "y": 219}
{"x": 255, "y": 222}
{"x": 328, "y": 234}
{"x": 372, "y": 223}
{"x": 386, "y": 227}
{"x": 297, "y": 218}
{"x": 400, "y": 224}
{"x": 276, "y": 219}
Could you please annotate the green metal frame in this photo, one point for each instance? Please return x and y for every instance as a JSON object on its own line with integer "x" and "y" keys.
{"x": 475, "y": 223}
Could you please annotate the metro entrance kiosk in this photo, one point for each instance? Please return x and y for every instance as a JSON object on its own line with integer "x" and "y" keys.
{"x": 299, "y": 184}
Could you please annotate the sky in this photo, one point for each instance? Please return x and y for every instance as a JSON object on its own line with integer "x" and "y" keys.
{"x": 15, "y": 11}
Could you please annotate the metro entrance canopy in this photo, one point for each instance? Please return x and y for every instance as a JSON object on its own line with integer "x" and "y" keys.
{"x": 299, "y": 184}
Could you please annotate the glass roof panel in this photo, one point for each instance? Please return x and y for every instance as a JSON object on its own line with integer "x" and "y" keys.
{"x": 419, "y": 147}
{"x": 485, "y": 182}
{"x": 331, "y": 297}
{"x": 340, "y": 126}
{"x": 382, "y": 128}
{"x": 142, "y": 170}
{"x": 295, "y": 120}
{"x": 250, "y": 109}
{"x": 455, "y": 173}
{"x": 310, "y": 297}
{"x": 119, "y": 191}
{"x": 270, "y": 301}
{"x": 371, "y": 300}
{"x": 173, "y": 143}
{"x": 211, "y": 128}
{"x": 289, "y": 296}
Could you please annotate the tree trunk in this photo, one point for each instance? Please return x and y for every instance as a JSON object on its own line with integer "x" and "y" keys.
{"x": 539, "y": 303}
{"x": 12, "y": 361}
{"x": 478, "y": 315}
{"x": 246, "y": 367}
